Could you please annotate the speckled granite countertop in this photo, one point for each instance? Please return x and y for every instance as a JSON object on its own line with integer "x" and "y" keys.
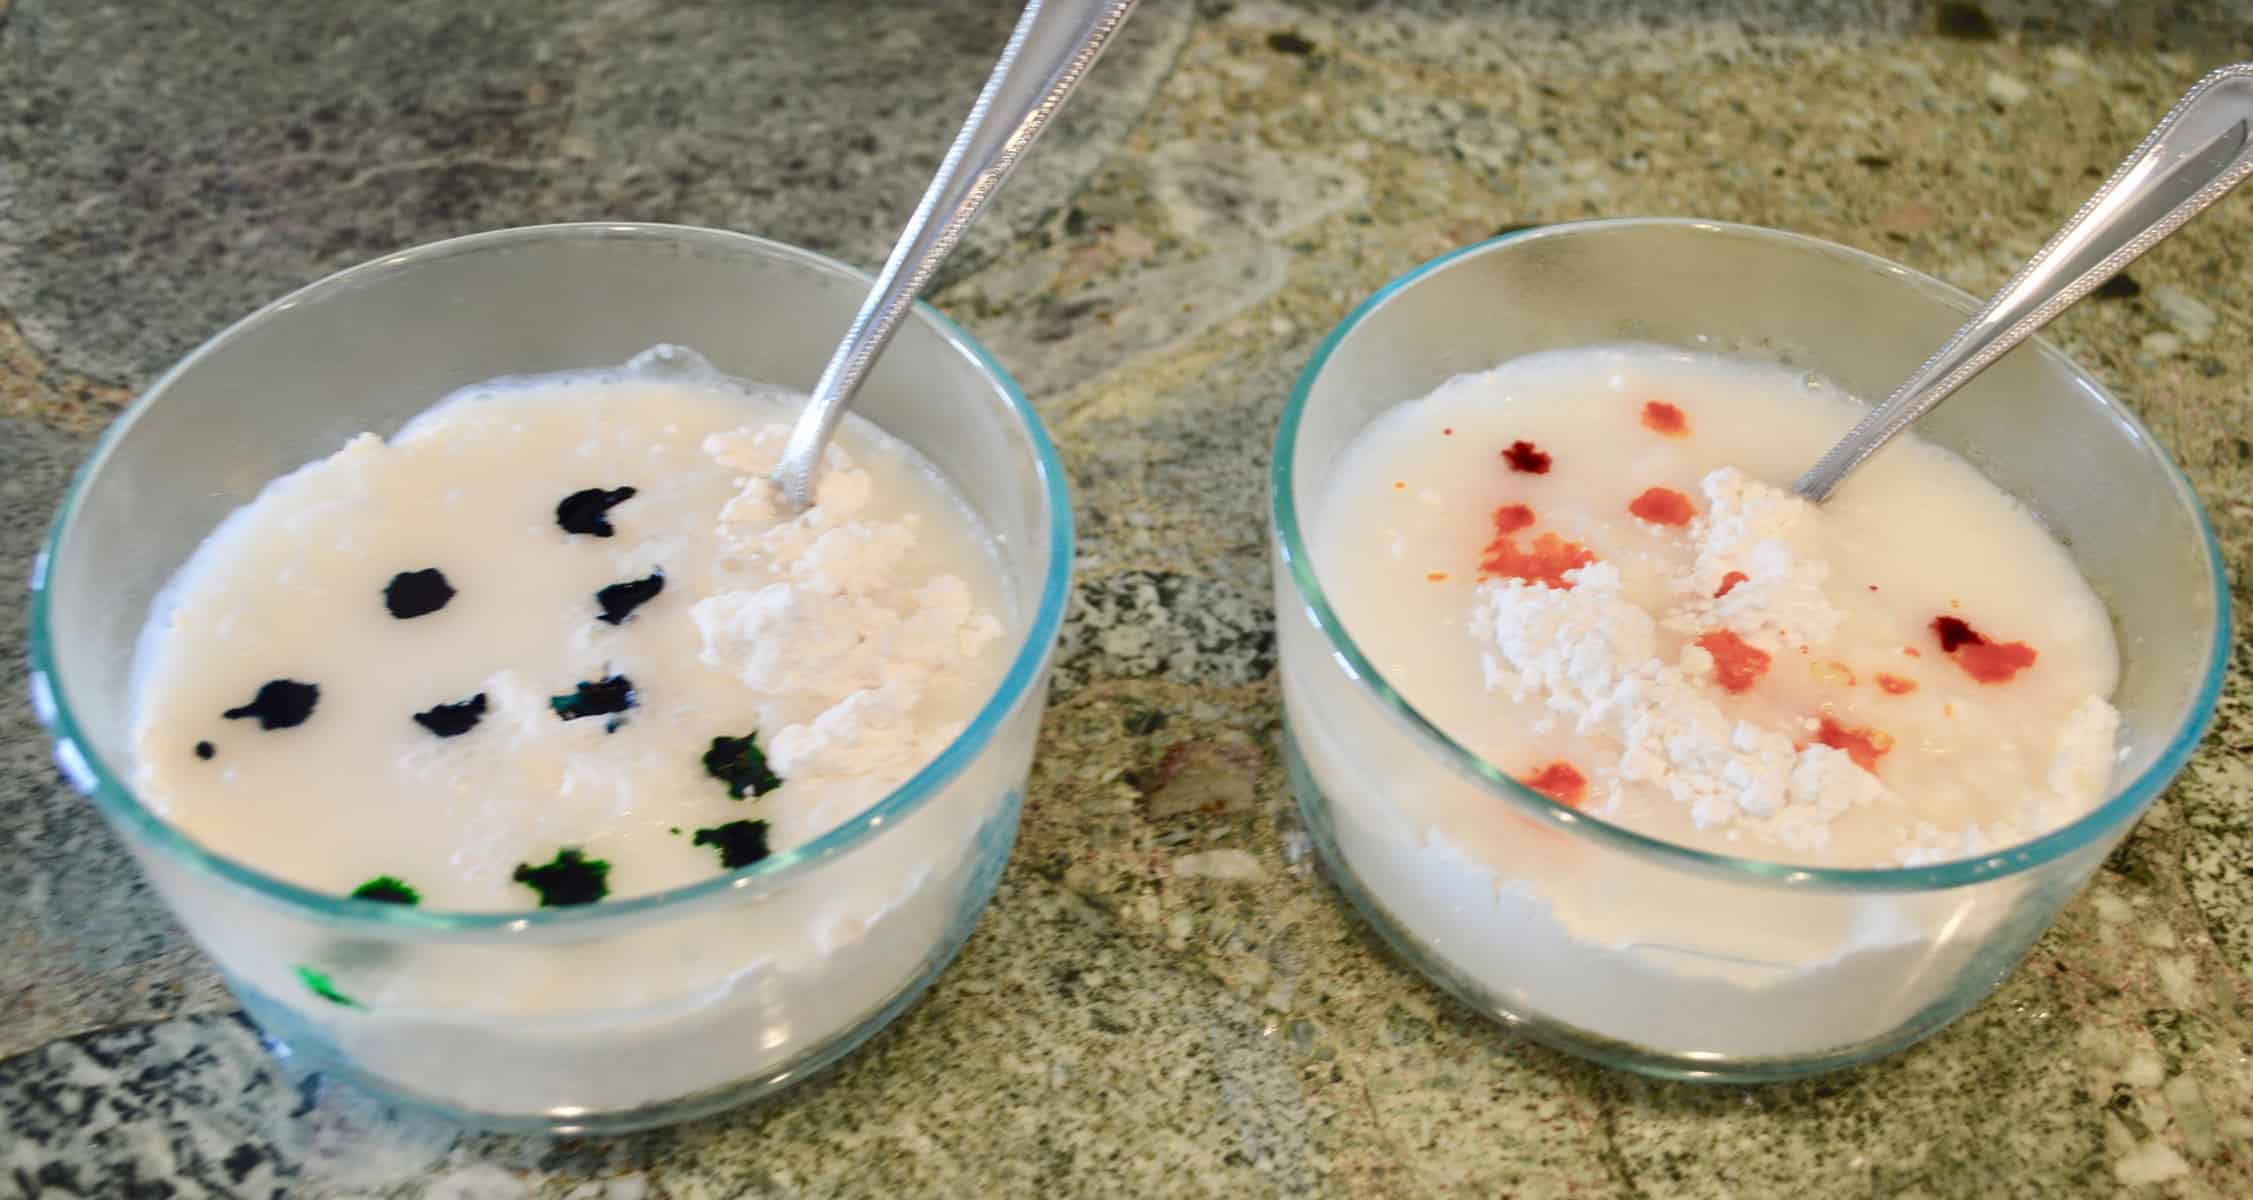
{"x": 1236, "y": 176}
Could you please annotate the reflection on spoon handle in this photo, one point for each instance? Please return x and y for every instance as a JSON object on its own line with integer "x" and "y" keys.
{"x": 1054, "y": 44}
{"x": 2201, "y": 150}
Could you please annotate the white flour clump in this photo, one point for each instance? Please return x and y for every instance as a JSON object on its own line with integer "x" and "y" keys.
{"x": 844, "y": 643}
{"x": 1590, "y": 654}
{"x": 1593, "y": 656}
{"x": 1766, "y": 538}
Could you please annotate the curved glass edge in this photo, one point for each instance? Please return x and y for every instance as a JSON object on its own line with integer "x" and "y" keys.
{"x": 2125, "y": 805}
{"x": 116, "y": 799}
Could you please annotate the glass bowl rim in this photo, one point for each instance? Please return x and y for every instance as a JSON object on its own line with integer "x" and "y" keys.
{"x": 2119, "y": 809}
{"x": 116, "y": 799}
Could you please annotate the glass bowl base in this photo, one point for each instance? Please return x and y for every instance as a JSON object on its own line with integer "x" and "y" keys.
{"x": 1658, "y": 1063}
{"x": 304, "y": 1051}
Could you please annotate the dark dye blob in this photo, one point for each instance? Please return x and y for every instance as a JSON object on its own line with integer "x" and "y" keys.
{"x": 1954, "y": 632}
{"x": 1875, "y": 162}
{"x": 740, "y": 843}
{"x": 387, "y": 889}
{"x": 569, "y": 878}
{"x": 740, "y": 764}
{"x": 412, "y": 594}
{"x": 204, "y": 750}
{"x": 280, "y": 704}
{"x": 1289, "y": 42}
{"x": 453, "y": 720}
{"x": 1526, "y": 457}
{"x": 614, "y": 694}
{"x": 619, "y": 600}
{"x": 588, "y": 511}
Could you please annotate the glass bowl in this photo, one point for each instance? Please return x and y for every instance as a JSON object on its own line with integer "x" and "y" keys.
{"x": 660, "y": 1007}
{"x": 1703, "y": 966}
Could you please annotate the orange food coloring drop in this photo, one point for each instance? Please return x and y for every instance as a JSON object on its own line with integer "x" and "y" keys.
{"x": 1662, "y": 506}
{"x": 1665, "y": 419}
{"x": 1545, "y": 562}
{"x": 1995, "y": 662}
{"x": 1895, "y": 685}
{"x": 1731, "y": 580}
{"x": 1511, "y": 518}
{"x": 1561, "y": 782}
{"x": 1864, "y": 746}
{"x": 1737, "y": 663}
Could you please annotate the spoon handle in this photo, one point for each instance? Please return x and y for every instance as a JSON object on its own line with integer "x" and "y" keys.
{"x": 1054, "y": 44}
{"x": 2202, "y": 149}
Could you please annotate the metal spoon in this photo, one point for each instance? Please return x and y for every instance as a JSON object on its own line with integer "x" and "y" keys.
{"x": 2202, "y": 149}
{"x": 1054, "y": 44}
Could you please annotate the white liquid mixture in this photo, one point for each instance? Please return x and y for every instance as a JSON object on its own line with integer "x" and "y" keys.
{"x": 850, "y": 644}
{"x": 553, "y": 644}
{"x": 1581, "y": 566}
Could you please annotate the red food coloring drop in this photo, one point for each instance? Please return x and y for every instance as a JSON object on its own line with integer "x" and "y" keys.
{"x": 1984, "y": 660}
{"x": 1526, "y": 457}
{"x": 1864, "y": 746}
{"x": 1662, "y": 506}
{"x": 1737, "y": 663}
{"x": 1895, "y": 685}
{"x": 1545, "y": 562}
{"x": 1447, "y": 432}
{"x": 1731, "y": 580}
{"x": 1665, "y": 419}
{"x": 1511, "y": 518}
{"x": 1954, "y": 632}
{"x": 1561, "y": 782}
{"x": 1912, "y": 652}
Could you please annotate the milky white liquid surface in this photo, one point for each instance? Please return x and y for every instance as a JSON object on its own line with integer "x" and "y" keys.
{"x": 291, "y": 586}
{"x": 1570, "y": 932}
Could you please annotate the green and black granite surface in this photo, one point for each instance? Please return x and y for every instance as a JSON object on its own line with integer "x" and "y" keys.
{"x": 1128, "y": 1020}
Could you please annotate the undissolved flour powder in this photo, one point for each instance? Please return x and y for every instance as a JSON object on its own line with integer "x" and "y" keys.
{"x": 1586, "y": 568}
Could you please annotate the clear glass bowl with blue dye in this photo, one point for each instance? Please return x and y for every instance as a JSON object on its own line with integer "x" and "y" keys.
{"x": 659, "y": 1007}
